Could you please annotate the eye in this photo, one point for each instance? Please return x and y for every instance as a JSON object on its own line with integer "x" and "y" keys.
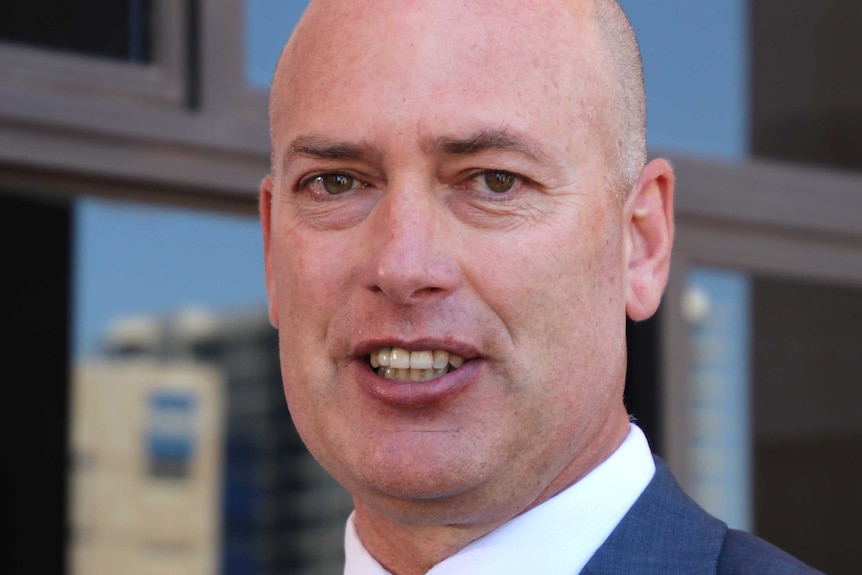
{"x": 332, "y": 184}
{"x": 497, "y": 181}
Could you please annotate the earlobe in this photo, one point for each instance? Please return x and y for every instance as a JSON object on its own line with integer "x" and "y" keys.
{"x": 265, "y": 206}
{"x": 649, "y": 218}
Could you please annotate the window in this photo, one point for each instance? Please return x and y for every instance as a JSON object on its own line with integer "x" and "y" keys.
{"x": 88, "y": 27}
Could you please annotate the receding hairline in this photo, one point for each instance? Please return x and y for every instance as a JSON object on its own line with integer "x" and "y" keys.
{"x": 621, "y": 52}
{"x": 619, "y": 55}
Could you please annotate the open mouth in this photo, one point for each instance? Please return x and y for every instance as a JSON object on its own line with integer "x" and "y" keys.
{"x": 424, "y": 365}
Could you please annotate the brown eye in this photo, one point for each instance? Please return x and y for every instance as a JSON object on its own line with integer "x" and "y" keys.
{"x": 499, "y": 182}
{"x": 335, "y": 184}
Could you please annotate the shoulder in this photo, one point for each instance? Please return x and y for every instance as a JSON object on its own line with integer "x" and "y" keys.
{"x": 667, "y": 533}
{"x": 743, "y": 553}
{"x": 664, "y": 533}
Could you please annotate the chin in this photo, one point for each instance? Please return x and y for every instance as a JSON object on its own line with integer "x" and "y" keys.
{"x": 438, "y": 497}
{"x": 420, "y": 474}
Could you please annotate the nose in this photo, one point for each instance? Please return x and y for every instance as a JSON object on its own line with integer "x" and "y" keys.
{"x": 411, "y": 240}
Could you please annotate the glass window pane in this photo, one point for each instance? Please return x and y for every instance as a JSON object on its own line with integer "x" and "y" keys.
{"x": 716, "y": 305}
{"x": 184, "y": 456}
{"x": 807, "y": 433}
{"x": 776, "y": 444}
{"x": 695, "y": 57}
{"x": 268, "y": 24}
{"x": 137, "y": 259}
{"x": 116, "y": 29}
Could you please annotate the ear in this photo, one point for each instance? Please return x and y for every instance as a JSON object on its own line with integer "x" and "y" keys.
{"x": 266, "y": 225}
{"x": 649, "y": 219}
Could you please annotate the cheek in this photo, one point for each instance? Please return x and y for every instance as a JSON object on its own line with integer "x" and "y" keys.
{"x": 310, "y": 280}
{"x": 308, "y": 289}
{"x": 559, "y": 293}
{"x": 552, "y": 278}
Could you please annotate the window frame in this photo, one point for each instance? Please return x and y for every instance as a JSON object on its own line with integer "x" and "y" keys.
{"x": 26, "y": 70}
{"x": 755, "y": 217}
{"x": 186, "y": 126}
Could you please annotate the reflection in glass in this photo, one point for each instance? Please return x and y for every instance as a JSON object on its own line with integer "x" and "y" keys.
{"x": 716, "y": 305}
{"x": 115, "y": 29}
{"x": 807, "y": 370}
{"x": 774, "y": 400}
{"x": 268, "y": 23}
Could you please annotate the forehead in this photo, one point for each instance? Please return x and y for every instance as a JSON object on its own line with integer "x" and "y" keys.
{"x": 423, "y": 64}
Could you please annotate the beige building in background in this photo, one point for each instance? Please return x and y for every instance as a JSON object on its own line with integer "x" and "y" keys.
{"x": 146, "y": 475}
{"x": 185, "y": 459}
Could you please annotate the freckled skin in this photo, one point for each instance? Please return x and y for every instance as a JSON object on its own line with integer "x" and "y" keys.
{"x": 538, "y": 279}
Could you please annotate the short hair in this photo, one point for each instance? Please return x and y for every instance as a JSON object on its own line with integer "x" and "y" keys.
{"x": 628, "y": 111}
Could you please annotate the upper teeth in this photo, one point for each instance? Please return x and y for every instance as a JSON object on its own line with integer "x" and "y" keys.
{"x": 398, "y": 358}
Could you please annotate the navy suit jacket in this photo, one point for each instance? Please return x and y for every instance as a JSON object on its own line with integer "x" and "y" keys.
{"x": 667, "y": 533}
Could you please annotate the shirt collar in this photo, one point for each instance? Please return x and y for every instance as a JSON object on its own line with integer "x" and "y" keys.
{"x": 557, "y": 537}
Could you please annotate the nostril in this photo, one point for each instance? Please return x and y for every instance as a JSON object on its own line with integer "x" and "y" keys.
{"x": 428, "y": 291}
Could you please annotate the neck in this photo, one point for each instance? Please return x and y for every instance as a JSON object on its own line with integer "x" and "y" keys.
{"x": 410, "y": 549}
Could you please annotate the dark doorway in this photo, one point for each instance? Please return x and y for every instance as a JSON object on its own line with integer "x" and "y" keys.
{"x": 807, "y": 433}
{"x": 34, "y": 297}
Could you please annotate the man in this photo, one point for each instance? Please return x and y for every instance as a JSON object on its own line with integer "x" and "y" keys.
{"x": 459, "y": 218}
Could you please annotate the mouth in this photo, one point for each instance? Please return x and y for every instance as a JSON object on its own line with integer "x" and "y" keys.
{"x": 421, "y": 365}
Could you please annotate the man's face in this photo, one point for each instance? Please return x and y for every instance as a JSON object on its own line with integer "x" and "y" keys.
{"x": 441, "y": 184}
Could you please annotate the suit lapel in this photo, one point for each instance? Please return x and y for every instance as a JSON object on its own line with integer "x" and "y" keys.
{"x": 664, "y": 533}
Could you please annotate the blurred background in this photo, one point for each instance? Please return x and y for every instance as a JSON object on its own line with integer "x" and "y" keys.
{"x": 144, "y": 423}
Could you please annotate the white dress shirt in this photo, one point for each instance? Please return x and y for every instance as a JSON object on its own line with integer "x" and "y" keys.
{"x": 557, "y": 537}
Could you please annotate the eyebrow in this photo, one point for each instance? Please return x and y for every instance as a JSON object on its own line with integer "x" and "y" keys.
{"x": 322, "y": 148}
{"x": 489, "y": 139}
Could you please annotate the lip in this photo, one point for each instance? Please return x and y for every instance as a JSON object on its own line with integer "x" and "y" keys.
{"x": 416, "y": 394}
